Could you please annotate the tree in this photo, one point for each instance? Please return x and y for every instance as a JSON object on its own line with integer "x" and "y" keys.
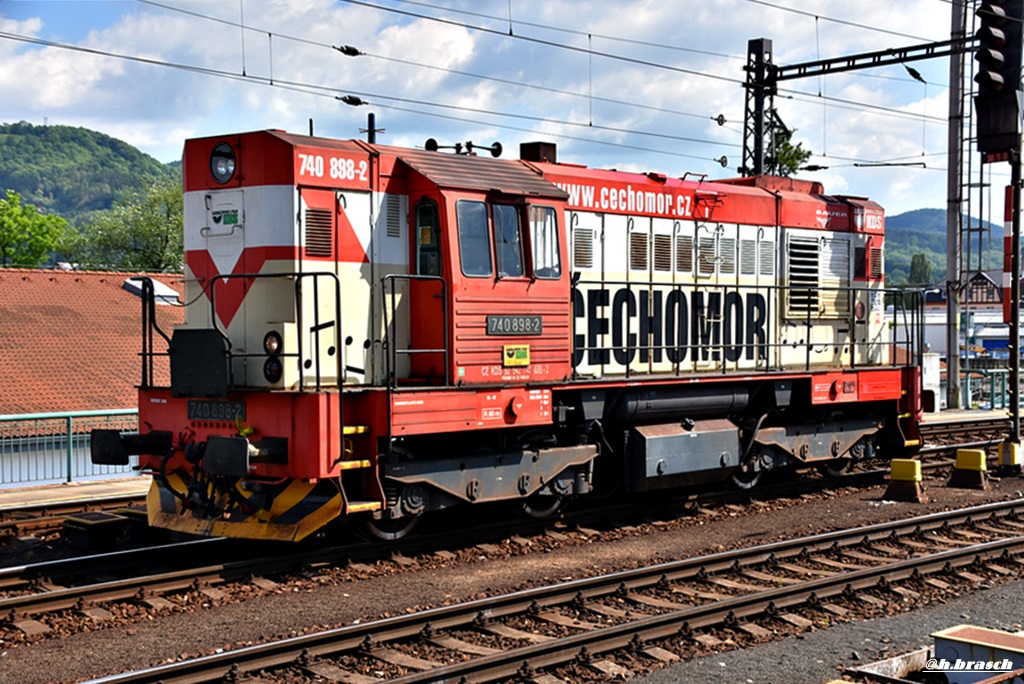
{"x": 27, "y": 237}
{"x": 920, "y": 270}
{"x": 143, "y": 232}
{"x": 790, "y": 157}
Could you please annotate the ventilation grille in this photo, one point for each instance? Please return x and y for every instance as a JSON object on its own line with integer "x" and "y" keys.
{"x": 860, "y": 262}
{"x": 638, "y": 251}
{"x": 583, "y": 248}
{"x": 318, "y": 233}
{"x": 748, "y": 257}
{"x": 393, "y": 205}
{"x": 803, "y": 276}
{"x": 767, "y": 258}
{"x": 663, "y": 253}
{"x": 727, "y": 255}
{"x": 684, "y": 254}
{"x": 875, "y": 270}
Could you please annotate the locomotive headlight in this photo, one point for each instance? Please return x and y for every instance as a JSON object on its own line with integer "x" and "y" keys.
{"x": 272, "y": 342}
{"x": 272, "y": 369}
{"x": 222, "y": 163}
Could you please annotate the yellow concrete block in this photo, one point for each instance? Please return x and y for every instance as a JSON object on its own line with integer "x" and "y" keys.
{"x": 1009, "y": 454}
{"x": 971, "y": 459}
{"x": 905, "y": 470}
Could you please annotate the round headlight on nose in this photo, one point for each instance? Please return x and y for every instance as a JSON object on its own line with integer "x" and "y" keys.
{"x": 272, "y": 342}
{"x": 272, "y": 369}
{"x": 222, "y": 163}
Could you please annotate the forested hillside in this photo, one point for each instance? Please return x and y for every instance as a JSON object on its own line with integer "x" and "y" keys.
{"x": 923, "y": 231}
{"x": 73, "y": 172}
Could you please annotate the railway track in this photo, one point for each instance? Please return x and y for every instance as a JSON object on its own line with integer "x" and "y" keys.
{"x": 548, "y": 633}
{"x": 31, "y": 591}
{"x": 965, "y": 430}
{"x": 49, "y": 517}
{"x": 28, "y": 592}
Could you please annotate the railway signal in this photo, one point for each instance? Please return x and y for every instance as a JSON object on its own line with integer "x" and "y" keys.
{"x": 998, "y": 100}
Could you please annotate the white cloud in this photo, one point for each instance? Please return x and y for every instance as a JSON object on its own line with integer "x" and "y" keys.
{"x": 155, "y": 108}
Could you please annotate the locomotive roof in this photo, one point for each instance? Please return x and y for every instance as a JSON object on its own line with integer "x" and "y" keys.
{"x": 463, "y": 172}
{"x": 466, "y": 172}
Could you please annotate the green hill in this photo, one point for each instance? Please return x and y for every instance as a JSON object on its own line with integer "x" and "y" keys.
{"x": 73, "y": 172}
{"x": 924, "y": 231}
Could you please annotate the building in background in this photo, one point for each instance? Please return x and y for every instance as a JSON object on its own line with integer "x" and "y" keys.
{"x": 70, "y": 340}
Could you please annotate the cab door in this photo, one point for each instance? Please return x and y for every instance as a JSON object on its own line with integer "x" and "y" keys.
{"x": 428, "y": 293}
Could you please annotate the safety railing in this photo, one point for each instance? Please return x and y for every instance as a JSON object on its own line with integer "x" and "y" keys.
{"x": 723, "y": 328}
{"x": 391, "y": 303}
{"x": 44, "y": 448}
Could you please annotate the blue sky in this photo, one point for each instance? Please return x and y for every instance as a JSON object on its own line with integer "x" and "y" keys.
{"x": 615, "y": 83}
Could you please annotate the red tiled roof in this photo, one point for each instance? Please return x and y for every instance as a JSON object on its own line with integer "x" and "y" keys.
{"x": 70, "y": 340}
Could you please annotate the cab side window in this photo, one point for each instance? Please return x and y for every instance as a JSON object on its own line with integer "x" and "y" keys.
{"x": 507, "y": 240}
{"x": 428, "y": 239}
{"x": 474, "y": 238}
{"x": 547, "y": 260}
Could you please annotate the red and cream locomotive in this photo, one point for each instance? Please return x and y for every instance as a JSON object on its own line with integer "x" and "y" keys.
{"x": 375, "y": 333}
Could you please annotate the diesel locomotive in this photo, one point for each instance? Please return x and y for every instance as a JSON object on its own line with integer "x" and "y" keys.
{"x": 373, "y": 333}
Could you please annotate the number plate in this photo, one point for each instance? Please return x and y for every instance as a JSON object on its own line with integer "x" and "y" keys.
{"x": 515, "y": 325}
{"x": 216, "y": 410}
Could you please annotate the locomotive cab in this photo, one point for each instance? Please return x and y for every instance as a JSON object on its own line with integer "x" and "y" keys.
{"x": 483, "y": 243}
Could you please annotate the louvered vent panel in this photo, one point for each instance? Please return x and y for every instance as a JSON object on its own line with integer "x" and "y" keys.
{"x": 748, "y": 257}
{"x": 684, "y": 254}
{"x": 663, "y": 253}
{"x": 638, "y": 251}
{"x": 394, "y": 209}
{"x": 583, "y": 248}
{"x": 727, "y": 255}
{"x": 860, "y": 262}
{"x": 803, "y": 276}
{"x": 767, "y": 258}
{"x": 319, "y": 239}
{"x": 875, "y": 269}
{"x": 706, "y": 255}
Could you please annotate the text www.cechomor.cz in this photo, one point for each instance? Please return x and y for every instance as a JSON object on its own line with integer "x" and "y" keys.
{"x": 628, "y": 200}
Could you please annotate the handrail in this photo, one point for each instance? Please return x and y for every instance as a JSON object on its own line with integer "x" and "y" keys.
{"x": 67, "y": 414}
{"x": 37, "y": 446}
{"x": 299, "y": 322}
{"x": 389, "y": 297}
{"x": 775, "y": 298}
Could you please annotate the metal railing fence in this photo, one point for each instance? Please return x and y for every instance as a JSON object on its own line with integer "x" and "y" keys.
{"x": 46, "y": 448}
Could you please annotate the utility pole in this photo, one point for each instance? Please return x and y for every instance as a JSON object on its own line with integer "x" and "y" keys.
{"x": 954, "y": 211}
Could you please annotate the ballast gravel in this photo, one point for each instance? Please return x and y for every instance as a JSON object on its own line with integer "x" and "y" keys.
{"x": 389, "y": 588}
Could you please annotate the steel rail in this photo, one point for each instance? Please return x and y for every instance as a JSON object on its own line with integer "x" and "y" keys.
{"x": 286, "y": 652}
{"x": 602, "y": 640}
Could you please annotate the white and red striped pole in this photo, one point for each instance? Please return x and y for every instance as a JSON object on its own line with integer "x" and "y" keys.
{"x": 1007, "y": 253}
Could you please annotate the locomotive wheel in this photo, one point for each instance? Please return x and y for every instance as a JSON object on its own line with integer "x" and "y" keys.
{"x": 540, "y": 506}
{"x": 746, "y": 479}
{"x": 393, "y": 529}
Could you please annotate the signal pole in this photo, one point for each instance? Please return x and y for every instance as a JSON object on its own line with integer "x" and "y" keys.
{"x": 1010, "y": 455}
{"x": 998, "y": 107}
